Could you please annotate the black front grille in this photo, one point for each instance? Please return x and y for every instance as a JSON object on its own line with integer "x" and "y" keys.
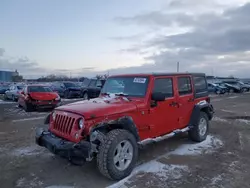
{"x": 64, "y": 124}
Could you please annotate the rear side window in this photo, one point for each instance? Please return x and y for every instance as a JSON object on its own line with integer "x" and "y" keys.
{"x": 92, "y": 83}
{"x": 165, "y": 86}
{"x": 184, "y": 85}
{"x": 200, "y": 84}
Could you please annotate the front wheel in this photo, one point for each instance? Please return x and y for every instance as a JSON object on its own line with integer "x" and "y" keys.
{"x": 200, "y": 131}
{"x": 28, "y": 107}
{"x": 117, "y": 155}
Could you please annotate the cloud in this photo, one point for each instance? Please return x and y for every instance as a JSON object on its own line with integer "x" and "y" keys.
{"x": 1, "y": 51}
{"x": 209, "y": 36}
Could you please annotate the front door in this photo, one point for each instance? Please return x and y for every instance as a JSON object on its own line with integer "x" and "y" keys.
{"x": 185, "y": 99}
{"x": 163, "y": 116}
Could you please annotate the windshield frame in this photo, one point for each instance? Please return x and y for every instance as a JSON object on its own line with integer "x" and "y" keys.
{"x": 147, "y": 81}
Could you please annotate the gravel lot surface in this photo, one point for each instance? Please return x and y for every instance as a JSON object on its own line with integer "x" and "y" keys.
{"x": 220, "y": 161}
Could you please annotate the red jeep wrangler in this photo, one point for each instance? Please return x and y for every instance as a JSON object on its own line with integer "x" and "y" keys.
{"x": 131, "y": 110}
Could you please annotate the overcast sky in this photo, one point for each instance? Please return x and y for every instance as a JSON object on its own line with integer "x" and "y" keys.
{"x": 88, "y": 37}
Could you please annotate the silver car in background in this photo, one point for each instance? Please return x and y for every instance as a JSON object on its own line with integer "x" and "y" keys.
{"x": 14, "y": 91}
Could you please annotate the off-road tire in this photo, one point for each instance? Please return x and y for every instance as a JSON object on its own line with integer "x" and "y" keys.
{"x": 106, "y": 151}
{"x": 194, "y": 133}
{"x": 28, "y": 107}
{"x": 85, "y": 96}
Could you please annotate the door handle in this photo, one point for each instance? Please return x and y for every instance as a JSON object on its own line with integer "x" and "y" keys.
{"x": 190, "y": 100}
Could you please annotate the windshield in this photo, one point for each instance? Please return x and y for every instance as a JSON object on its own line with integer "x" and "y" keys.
{"x": 129, "y": 86}
{"x": 70, "y": 84}
{"x": 39, "y": 89}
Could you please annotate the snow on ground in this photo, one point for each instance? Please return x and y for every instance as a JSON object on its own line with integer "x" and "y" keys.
{"x": 172, "y": 171}
{"x": 162, "y": 171}
{"x": 6, "y": 102}
{"x": 208, "y": 146}
{"x": 220, "y": 119}
{"x": 244, "y": 121}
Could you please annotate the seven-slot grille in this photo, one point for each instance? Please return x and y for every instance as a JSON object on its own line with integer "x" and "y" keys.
{"x": 63, "y": 123}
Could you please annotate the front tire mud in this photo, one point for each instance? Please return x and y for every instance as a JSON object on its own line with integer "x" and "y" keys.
{"x": 107, "y": 155}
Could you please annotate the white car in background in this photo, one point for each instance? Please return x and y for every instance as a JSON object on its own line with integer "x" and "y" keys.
{"x": 13, "y": 92}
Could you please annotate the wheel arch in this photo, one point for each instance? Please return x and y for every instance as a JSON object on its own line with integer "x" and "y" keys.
{"x": 125, "y": 122}
{"x": 202, "y": 106}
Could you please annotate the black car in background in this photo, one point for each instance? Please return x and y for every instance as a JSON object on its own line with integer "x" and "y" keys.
{"x": 91, "y": 88}
{"x": 66, "y": 89}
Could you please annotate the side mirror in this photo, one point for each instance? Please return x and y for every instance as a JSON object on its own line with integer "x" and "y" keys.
{"x": 158, "y": 96}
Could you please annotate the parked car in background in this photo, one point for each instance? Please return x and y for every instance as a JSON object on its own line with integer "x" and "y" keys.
{"x": 13, "y": 92}
{"x": 67, "y": 89}
{"x": 92, "y": 89}
{"x": 3, "y": 89}
{"x": 243, "y": 87}
{"x": 38, "y": 96}
{"x": 231, "y": 88}
{"x": 57, "y": 87}
{"x": 215, "y": 88}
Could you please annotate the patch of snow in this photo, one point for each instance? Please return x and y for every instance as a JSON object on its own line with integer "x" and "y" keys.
{"x": 219, "y": 119}
{"x": 207, "y": 146}
{"x": 59, "y": 186}
{"x": 26, "y": 151}
{"x": 233, "y": 97}
{"x": 34, "y": 182}
{"x": 216, "y": 180}
{"x": 27, "y": 119}
{"x": 162, "y": 171}
{"x": 6, "y": 102}
{"x": 244, "y": 121}
{"x": 229, "y": 111}
{"x": 240, "y": 140}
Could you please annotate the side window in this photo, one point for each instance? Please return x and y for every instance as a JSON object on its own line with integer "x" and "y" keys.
{"x": 92, "y": 83}
{"x": 98, "y": 83}
{"x": 165, "y": 86}
{"x": 200, "y": 84}
{"x": 184, "y": 85}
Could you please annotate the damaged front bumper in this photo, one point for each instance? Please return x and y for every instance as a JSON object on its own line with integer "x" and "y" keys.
{"x": 63, "y": 148}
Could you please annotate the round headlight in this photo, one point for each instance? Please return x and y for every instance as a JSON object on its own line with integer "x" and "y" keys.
{"x": 81, "y": 123}
{"x": 54, "y": 115}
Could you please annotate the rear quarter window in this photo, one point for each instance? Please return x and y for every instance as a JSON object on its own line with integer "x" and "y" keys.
{"x": 200, "y": 84}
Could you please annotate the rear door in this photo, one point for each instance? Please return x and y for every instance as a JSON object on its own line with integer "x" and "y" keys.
{"x": 185, "y": 99}
{"x": 163, "y": 117}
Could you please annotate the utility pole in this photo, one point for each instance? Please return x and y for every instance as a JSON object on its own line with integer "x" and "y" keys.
{"x": 178, "y": 66}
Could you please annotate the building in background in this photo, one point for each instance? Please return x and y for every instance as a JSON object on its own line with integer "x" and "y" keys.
{"x": 6, "y": 75}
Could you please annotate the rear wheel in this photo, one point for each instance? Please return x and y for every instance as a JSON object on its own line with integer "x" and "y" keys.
{"x": 85, "y": 96}
{"x": 118, "y": 154}
{"x": 200, "y": 131}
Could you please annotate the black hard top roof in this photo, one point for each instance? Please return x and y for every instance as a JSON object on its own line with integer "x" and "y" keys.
{"x": 162, "y": 74}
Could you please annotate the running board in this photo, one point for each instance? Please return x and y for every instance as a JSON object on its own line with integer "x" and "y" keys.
{"x": 166, "y": 136}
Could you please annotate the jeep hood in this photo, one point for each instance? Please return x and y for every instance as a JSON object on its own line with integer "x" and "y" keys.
{"x": 98, "y": 107}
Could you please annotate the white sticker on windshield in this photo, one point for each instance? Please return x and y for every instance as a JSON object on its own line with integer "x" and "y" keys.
{"x": 140, "y": 80}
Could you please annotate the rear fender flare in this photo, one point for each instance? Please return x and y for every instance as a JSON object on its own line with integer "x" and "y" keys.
{"x": 200, "y": 106}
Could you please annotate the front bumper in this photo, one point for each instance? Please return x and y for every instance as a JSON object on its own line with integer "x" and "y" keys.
{"x": 61, "y": 147}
